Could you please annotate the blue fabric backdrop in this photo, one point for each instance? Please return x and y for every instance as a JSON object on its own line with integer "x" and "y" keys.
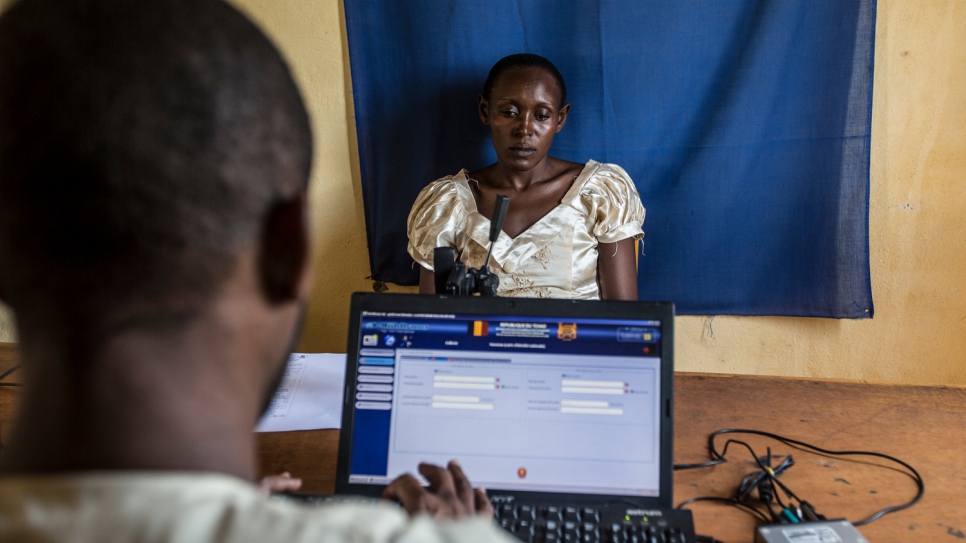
{"x": 744, "y": 123}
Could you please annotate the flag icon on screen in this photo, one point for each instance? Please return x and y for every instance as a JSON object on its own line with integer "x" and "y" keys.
{"x": 480, "y": 328}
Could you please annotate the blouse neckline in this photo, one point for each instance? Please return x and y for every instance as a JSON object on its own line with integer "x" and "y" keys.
{"x": 469, "y": 201}
{"x": 508, "y": 251}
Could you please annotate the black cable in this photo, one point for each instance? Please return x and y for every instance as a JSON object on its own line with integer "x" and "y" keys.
{"x": 727, "y": 501}
{"x": 6, "y": 373}
{"x": 705, "y": 539}
{"x": 708, "y": 464}
{"x": 778, "y": 498}
{"x": 920, "y": 484}
{"x": 719, "y": 458}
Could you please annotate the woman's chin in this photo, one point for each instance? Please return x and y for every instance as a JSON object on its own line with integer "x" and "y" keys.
{"x": 522, "y": 163}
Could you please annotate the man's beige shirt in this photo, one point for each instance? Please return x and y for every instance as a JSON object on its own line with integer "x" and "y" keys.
{"x": 203, "y": 507}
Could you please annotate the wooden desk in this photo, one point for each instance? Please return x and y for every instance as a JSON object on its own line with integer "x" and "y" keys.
{"x": 8, "y": 395}
{"x": 925, "y": 426}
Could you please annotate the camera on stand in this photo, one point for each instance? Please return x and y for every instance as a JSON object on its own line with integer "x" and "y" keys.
{"x": 451, "y": 276}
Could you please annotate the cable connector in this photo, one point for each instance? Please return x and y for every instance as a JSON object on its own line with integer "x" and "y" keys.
{"x": 809, "y": 511}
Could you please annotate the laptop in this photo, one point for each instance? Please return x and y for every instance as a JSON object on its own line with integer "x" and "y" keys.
{"x": 561, "y": 409}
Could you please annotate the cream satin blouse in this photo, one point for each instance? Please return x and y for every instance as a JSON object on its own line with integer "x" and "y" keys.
{"x": 554, "y": 258}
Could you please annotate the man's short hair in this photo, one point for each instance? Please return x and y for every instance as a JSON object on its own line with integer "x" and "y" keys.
{"x": 142, "y": 144}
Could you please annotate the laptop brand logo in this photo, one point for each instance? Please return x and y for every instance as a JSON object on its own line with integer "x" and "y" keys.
{"x": 644, "y": 513}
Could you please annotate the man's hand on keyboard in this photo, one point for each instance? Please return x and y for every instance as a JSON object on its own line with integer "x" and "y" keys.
{"x": 449, "y": 495}
{"x": 283, "y": 482}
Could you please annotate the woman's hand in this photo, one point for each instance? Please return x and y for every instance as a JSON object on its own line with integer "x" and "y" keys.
{"x": 449, "y": 495}
{"x": 427, "y": 281}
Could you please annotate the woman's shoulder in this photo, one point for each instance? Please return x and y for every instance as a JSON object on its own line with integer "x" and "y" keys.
{"x": 603, "y": 179}
{"x": 450, "y": 195}
{"x": 447, "y": 183}
{"x": 608, "y": 194}
{"x": 605, "y": 173}
{"x": 452, "y": 188}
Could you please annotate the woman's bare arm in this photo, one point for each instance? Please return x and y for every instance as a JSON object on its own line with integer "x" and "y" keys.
{"x": 617, "y": 270}
{"x": 427, "y": 282}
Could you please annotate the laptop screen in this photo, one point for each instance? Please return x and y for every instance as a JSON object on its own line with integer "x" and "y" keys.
{"x": 524, "y": 402}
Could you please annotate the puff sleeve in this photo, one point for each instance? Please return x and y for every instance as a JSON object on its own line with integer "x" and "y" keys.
{"x": 435, "y": 220}
{"x": 612, "y": 198}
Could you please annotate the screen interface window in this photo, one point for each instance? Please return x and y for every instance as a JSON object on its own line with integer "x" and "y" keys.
{"x": 523, "y": 403}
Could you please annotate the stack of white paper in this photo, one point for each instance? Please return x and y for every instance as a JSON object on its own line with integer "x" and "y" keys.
{"x": 309, "y": 396}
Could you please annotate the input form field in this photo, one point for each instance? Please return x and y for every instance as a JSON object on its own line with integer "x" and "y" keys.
{"x": 362, "y": 387}
{"x": 463, "y": 379}
{"x": 383, "y": 370}
{"x": 465, "y": 386}
{"x": 591, "y": 384}
{"x": 376, "y": 406}
{"x": 592, "y": 410}
{"x": 584, "y": 403}
{"x": 582, "y": 390}
{"x": 462, "y": 405}
{"x": 367, "y": 378}
{"x": 456, "y": 399}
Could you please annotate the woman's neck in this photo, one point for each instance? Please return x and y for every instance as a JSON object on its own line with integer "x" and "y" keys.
{"x": 502, "y": 176}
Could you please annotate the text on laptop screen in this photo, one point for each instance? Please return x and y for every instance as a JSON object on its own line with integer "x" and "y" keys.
{"x": 524, "y": 403}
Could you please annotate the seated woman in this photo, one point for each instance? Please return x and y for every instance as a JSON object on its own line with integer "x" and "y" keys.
{"x": 570, "y": 228}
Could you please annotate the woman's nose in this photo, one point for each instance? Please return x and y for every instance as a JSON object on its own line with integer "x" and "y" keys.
{"x": 524, "y": 126}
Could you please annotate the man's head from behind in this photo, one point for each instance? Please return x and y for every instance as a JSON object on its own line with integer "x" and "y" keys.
{"x": 143, "y": 146}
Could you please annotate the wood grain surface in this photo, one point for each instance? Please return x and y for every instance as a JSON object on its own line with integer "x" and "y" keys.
{"x": 922, "y": 425}
{"x": 8, "y": 395}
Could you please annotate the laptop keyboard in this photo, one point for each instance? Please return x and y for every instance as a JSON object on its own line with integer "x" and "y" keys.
{"x": 566, "y": 524}
{"x": 553, "y": 524}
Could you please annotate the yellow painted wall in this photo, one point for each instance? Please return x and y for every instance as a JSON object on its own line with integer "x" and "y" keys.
{"x": 7, "y": 328}
{"x": 917, "y": 223}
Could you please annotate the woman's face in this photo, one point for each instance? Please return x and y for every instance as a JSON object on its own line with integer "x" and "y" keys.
{"x": 523, "y": 113}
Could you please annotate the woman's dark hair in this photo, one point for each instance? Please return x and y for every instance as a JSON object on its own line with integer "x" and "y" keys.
{"x": 524, "y": 60}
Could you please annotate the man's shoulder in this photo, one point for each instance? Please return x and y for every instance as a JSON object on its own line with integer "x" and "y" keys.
{"x": 197, "y": 507}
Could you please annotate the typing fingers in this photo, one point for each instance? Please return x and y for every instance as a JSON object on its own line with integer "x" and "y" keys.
{"x": 449, "y": 495}
{"x": 441, "y": 484}
{"x": 406, "y": 490}
{"x": 283, "y": 482}
{"x": 483, "y": 505}
{"x": 464, "y": 490}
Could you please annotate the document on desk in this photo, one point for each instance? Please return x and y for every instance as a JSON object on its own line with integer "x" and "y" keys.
{"x": 309, "y": 396}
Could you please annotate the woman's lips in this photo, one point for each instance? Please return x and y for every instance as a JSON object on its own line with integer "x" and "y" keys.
{"x": 522, "y": 150}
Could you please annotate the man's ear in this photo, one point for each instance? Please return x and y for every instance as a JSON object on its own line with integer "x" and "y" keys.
{"x": 484, "y": 110}
{"x": 284, "y": 251}
{"x": 562, "y": 118}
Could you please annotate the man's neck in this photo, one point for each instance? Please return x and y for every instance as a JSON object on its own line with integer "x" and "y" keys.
{"x": 141, "y": 401}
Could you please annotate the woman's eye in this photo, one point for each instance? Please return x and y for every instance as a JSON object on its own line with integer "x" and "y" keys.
{"x": 541, "y": 117}
{"x": 508, "y": 113}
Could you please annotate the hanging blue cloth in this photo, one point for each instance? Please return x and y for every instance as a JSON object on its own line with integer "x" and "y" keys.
{"x": 745, "y": 125}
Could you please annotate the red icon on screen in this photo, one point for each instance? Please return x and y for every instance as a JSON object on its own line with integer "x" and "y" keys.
{"x": 522, "y": 473}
